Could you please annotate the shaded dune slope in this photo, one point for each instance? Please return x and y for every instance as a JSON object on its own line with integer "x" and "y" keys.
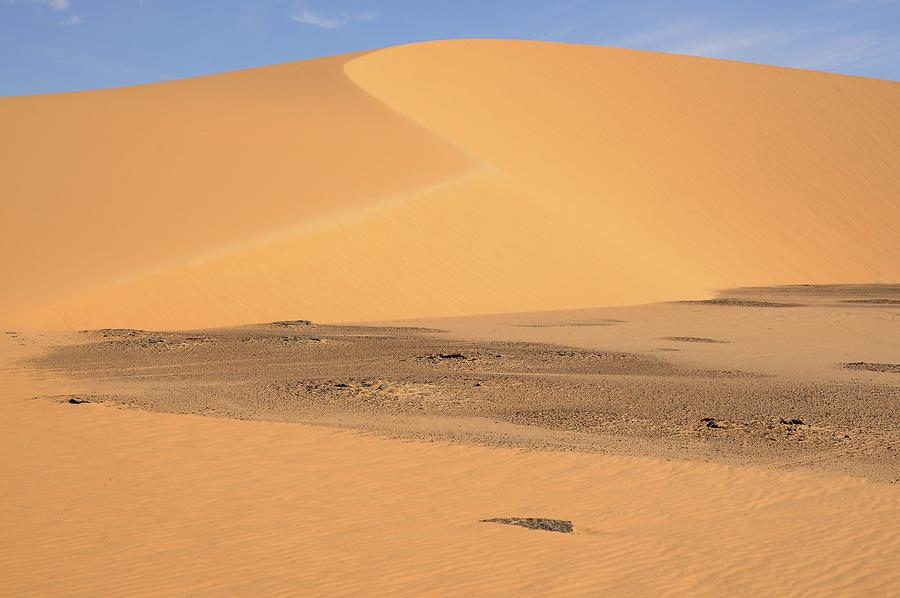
{"x": 443, "y": 178}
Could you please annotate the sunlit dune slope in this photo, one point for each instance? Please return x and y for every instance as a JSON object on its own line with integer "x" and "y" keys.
{"x": 105, "y": 185}
{"x": 443, "y": 178}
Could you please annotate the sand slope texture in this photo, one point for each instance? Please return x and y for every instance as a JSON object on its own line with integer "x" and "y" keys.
{"x": 442, "y": 178}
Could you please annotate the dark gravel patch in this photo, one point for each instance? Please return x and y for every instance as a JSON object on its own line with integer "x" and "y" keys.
{"x": 692, "y": 339}
{"x": 725, "y": 301}
{"x": 873, "y": 367}
{"x": 540, "y": 523}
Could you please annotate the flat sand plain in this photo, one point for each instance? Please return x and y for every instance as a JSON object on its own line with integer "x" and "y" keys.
{"x": 300, "y": 457}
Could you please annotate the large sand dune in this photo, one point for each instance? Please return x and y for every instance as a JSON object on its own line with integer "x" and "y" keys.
{"x": 739, "y": 445}
{"x": 442, "y": 178}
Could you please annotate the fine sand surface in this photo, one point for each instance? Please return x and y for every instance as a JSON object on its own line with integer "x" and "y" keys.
{"x": 148, "y": 462}
{"x": 442, "y": 178}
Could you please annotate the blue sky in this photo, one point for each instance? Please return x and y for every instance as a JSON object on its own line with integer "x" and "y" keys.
{"x": 60, "y": 45}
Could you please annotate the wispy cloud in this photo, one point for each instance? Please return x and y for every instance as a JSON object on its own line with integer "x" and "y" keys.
{"x": 72, "y": 20}
{"x": 813, "y": 46}
{"x": 56, "y": 4}
{"x": 704, "y": 38}
{"x": 730, "y": 42}
{"x": 852, "y": 52}
{"x": 663, "y": 35}
{"x": 863, "y": 3}
{"x": 361, "y": 15}
{"x": 306, "y": 16}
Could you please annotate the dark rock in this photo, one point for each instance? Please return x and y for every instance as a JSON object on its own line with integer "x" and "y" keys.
{"x": 550, "y": 525}
{"x": 452, "y": 356}
{"x": 792, "y": 422}
{"x": 716, "y": 424}
{"x": 76, "y": 401}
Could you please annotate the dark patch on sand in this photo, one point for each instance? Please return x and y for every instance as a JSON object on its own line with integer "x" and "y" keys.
{"x": 562, "y": 526}
{"x": 692, "y": 339}
{"x": 873, "y": 367}
{"x": 291, "y": 323}
{"x": 732, "y": 302}
{"x": 569, "y": 323}
{"x": 872, "y": 301}
{"x": 406, "y": 383}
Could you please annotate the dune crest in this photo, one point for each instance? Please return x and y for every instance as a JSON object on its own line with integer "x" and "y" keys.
{"x": 443, "y": 178}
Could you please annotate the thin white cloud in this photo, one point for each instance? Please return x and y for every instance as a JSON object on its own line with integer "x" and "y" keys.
{"x": 309, "y": 17}
{"x": 841, "y": 48}
{"x": 863, "y": 3}
{"x": 727, "y": 43}
{"x": 663, "y": 36}
{"x": 361, "y": 16}
{"x": 702, "y": 38}
{"x": 852, "y": 52}
{"x": 72, "y": 20}
{"x": 56, "y": 4}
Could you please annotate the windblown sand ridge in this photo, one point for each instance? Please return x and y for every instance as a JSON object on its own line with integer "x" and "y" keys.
{"x": 442, "y": 178}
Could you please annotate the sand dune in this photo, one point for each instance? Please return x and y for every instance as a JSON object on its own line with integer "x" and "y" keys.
{"x": 108, "y": 185}
{"x": 736, "y": 445}
{"x": 444, "y": 178}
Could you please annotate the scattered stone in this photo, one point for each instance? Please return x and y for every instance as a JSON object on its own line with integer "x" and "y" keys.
{"x": 437, "y": 356}
{"x": 550, "y": 525}
{"x": 716, "y": 424}
{"x": 112, "y": 332}
{"x": 288, "y": 323}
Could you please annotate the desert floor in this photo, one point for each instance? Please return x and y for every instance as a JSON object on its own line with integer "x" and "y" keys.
{"x": 730, "y": 446}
